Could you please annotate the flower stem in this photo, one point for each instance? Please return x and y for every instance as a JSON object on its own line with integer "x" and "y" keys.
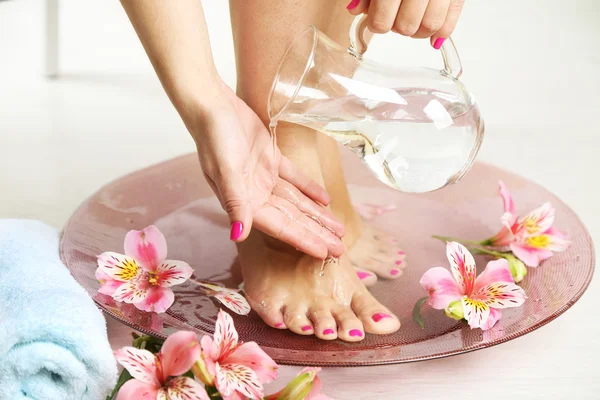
{"x": 452, "y": 239}
{"x": 490, "y": 252}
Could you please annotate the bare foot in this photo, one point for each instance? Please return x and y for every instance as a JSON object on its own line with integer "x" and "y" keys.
{"x": 290, "y": 290}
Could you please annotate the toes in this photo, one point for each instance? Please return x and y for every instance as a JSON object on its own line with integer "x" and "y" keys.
{"x": 270, "y": 314}
{"x": 366, "y": 277}
{"x": 387, "y": 269}
{"x": 374, "y": 317}
{"x": 350, "y": 328}
{"x": 297, "y": 321}
{"x": 323, "y": 322}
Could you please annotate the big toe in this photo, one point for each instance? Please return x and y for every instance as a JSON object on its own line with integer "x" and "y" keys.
{"x": 368, "y": 278}
{"x": 374, "y": 317}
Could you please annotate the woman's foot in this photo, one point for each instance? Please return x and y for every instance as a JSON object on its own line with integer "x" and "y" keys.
{"x": 290, "y": 290}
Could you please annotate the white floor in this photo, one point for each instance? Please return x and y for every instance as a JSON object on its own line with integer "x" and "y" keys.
{"x": 534, "y": 67}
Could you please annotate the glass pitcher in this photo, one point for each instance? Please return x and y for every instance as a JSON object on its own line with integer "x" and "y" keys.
{"x": 417, "y": 129}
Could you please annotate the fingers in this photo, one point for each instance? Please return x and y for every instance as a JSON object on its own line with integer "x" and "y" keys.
{"x": 433, "y": 19}
{"x": 381, "y": 15}
{"x": 234, "y": 200}
{"x": 289, "y": 172}
{"x": 356, "y": 7}
{"x": 309, "y": 208}
{"x": 274, "y": 223}
{"x": 409, "y": 16}
{"x": 454, "y": 11}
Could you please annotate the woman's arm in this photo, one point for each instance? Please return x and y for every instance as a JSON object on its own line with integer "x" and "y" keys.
{"x": 175, "y": 37}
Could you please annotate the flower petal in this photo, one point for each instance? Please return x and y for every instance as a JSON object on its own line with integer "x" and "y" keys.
{"x": 495, "y": 271}
{"x": 148, "y": 247}
{"x": 253, "y": 357}
{"x": 501, "y": 295}
{"x": 537, "y": 221}
{"x": 137, "y": 390}
{"x": 238, "y": 378}
{"x": 531, "y": 256}
{"x": 234, "y": 301}
{"x": 476, "y": 312}
{"x": 108, "y": 285}
{"x": 141, "y": 364}
{"x": 509, "y": 205}
{"x": 442, "y": 288}
{"x": 209, "y": 356}
{"x": 132, "y": 292}
{"x": 462, "y": 265}
{"x": 118, "y": 266}
{"x": 179, "y": 352}
{"x": 225, "y": 337}
{"x": 494, "y": 317}
{"x": 558, "y": 240}
{"x": 158, "y": 300}
{"x": 184, "y": 388}
{"x": 172, "y": 272}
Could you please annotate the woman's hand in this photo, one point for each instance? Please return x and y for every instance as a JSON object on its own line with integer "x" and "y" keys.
{"x": 434, "y": 19}
{"x": 255, "y": 184}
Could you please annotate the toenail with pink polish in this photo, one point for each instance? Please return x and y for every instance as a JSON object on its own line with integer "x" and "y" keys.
{"x": 306, "y": 328}
{"x": 328, "y": 331}
{"x": 398, "y": 262}
{"x": 355, "y": 332}
{"x": 379, "y": 316}
{"x": 395, "y": 271}
{"x": 279, "y": 325}
{"x": 363, "y": 275}
{"x": 401, "y": 253}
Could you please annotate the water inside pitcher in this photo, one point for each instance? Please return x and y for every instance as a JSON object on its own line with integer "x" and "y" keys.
{"x": 418, "y": 130}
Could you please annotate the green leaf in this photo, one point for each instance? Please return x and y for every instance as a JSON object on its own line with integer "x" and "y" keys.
{"x": 124, "y": 377}
{"x": 416, "y": 314}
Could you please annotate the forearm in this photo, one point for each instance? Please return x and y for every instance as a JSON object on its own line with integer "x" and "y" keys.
{"x": 175, "y": 38}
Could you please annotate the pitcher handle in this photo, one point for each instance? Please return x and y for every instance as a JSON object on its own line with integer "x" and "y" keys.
{"x": 358, "y": 47}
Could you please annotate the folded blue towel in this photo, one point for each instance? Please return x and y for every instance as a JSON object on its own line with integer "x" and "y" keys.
{"x": 53, "y": 342}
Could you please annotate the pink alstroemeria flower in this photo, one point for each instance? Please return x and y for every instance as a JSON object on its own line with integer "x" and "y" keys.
{"x": 230, "y": 298}
{"x": 142, "y": 276}
{"x": 531, "y": 238}
{"x": 481, "y": 298}
{"x": 237, "y": 370}
{"x": 157, "y": 376}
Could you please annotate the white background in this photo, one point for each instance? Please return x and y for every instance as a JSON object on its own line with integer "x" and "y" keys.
{"x": 533, "y": 66}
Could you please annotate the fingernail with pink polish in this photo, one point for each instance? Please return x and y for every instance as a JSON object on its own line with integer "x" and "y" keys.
{"x": 398, "y": 262}
{"x": 352, "y": 4}
{"x": 306, "y": 328}
{"x": 395, "y": 271}
{"x": 438, "y": 43}
{"x": 236, "y": 230}
{"x": 363, "y": 275}
{"x": 379, "y": 316}
{"x": 355, "y": 332}
{"x": 328, "y": 331}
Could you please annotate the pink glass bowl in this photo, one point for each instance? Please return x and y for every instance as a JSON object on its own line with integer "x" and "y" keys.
{"x": 174, "y": 197}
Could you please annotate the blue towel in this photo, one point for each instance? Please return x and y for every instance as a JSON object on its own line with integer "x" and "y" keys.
{"x": 53, "y": 342}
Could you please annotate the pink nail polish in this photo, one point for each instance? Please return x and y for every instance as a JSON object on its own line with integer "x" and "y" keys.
{"x": 352, "y": 4}
{"x": 279, "y": 325}
{"x": 395, "y": 271}
{"x": 401, "y": 253}
{"x": 236, "y": 230}
{"x": 438, "y": 43}
{"x": 306, "y": 328}
{"x": 363, "y": 275}
{"x": 379, "y": 316}
{"x": 328, "y": 331}
{"x": 398, "y": 262}
{"x": 355, "y": 332}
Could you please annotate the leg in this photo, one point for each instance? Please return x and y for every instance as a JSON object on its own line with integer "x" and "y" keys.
{"x": 287, "y": 288}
